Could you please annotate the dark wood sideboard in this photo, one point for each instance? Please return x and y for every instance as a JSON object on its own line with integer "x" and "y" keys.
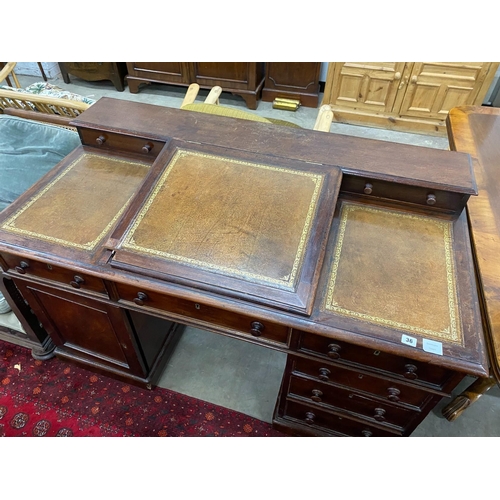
{"x": 245, "y": 79}
{"x": 292, "y": 80}
{"x": 95, "y": 71}
{"x": 350, "y": 255}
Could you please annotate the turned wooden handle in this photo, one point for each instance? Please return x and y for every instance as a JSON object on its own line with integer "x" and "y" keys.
{"x": 379, "y": 415}
{"x": 147, "y": 148}
{"x": 100, "y": 140}
{"x": 316, "y": 395}
{"x": 256, "y": 328}
{"x": 333, "y": 351}
{"x": 310, "y": 416}
{"x": 21, "y": 268}
{"x": 393, "y": 394}
{"x": 141, "y": 298}
{"x": 324, "y": 374}
{"x": 411, "y": 372}
{"x": 77, "y": 282}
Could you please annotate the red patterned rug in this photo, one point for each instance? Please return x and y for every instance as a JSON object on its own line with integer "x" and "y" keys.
{"x": 55, "y": 398}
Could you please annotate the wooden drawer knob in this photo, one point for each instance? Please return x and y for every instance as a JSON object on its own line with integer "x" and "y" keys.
{"x": 379, "y": 415}
{"x": 310, "y": 416}
{"x": 147, "y": 148}
{"x": 141, "y": 298}
{"x": 431, "y": 199}
{"x": 256, "y": 328}
{"x": 368, "y": 188}
{"x": 324, "y": 374}
{"x": 393, "y": 394}
{"x": 100, "y": 140}
{"x": 411, "y": 372}
{"x": 334, "y": 351}
{"x": 21, "y": 268}
{"x": 77, "y": 282}
{"x": 316, "y": 395}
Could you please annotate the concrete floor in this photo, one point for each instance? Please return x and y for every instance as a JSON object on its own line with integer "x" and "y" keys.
{"x": 242, "y": 376}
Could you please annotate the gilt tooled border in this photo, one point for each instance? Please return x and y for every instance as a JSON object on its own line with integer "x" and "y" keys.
{"x": 453, "y": 332}
{"x": 9, "y": 224}
{"x": 286, "y": 282}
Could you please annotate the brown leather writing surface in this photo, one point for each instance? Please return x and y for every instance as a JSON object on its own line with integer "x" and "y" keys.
{"x": 389, "y": 266}
{"x": 234, "y": 223}
{"x": 229, "y": 216}
{"x": 79, "y": 206}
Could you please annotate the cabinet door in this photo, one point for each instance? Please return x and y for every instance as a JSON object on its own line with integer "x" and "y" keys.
{"x": 229, "y": 75}
{"x": 85, "y": 329}
{"x": 364, "y": 86}
{"x": 166, "y": 72}
{"x": 435, "y": 88}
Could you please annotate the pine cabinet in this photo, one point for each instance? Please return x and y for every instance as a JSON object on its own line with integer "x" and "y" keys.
{"x": 411, "y": 96}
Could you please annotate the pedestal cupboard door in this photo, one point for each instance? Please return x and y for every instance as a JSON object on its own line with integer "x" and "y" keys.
{"x": 365, "y": 86}
{"x": 85, "y": 328}
{"x": 435, "y": 88}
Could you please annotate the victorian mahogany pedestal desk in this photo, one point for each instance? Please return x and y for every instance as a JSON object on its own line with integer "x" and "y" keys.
{"x": 476, "y": 130}
{"x": 350, "y": 255}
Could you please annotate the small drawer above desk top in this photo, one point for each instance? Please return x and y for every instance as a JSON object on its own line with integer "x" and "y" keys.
{"x": 120, "y": 142}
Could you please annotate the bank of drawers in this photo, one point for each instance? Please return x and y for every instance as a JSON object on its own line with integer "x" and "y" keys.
{"x": 337, "y": 388}
{"x": 60, "y": 275}
{"x": 206, "y": 316}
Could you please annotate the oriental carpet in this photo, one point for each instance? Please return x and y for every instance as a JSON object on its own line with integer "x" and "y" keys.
{"x": 55, "y": 398}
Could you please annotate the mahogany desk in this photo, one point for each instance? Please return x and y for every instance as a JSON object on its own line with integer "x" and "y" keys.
{"x": 476, "y": 130}
{"x": 352, "y": 256}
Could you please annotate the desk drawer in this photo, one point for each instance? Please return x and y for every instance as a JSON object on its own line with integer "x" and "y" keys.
{"x": 403, "y": 193}
{"x": 248, "y": 326}
{"x": 335, "y": 350}
{"x": 335, "y": 397}
{"x": 380, "y": 387}
{"x": 109, "y": 140}
{"x": 318, "y": 418}
{"x": 60, "y": 275}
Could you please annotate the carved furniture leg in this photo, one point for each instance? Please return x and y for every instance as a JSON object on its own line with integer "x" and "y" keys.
{"x": 454, "y": 409}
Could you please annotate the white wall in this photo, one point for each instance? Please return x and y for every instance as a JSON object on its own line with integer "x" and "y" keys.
{"x": 51, "y": 69}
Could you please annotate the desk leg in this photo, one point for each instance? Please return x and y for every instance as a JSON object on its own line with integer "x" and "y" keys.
{"x": 453, "y": 410}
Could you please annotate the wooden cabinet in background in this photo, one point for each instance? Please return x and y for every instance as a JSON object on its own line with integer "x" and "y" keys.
{"x": 292, "y": 80}
{"x": 406, "y": 96}
{"x": 95, "y": 71}
{"x": 241, "y": 78}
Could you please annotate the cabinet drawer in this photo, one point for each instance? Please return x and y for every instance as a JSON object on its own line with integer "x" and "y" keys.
{"x": 409, "y": 194}
{"x": 390, "y": 364}
{"x": 29, "y": 267}
{"x": 380, "y": 387}
{"x": 351, "y": 401}
{"x": 246, "y": 325}
{"x": 109, "y": 140}
{"x": 318, "y": 418}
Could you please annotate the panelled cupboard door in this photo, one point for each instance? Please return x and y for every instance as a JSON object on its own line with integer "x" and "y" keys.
{"x": 369, "y": 86}
{"x": 172, "y": 72}
{"x": 86, "y": 328}
{"x": 435, "y": 88}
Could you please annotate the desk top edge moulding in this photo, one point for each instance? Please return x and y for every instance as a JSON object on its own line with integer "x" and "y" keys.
{"x": 280, "y": 237}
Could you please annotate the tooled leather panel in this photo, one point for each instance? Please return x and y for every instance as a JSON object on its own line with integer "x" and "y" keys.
{"x": 229, "y": 216}
{"x": 397, "y": 270}
{"x": 80, "y": 205}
